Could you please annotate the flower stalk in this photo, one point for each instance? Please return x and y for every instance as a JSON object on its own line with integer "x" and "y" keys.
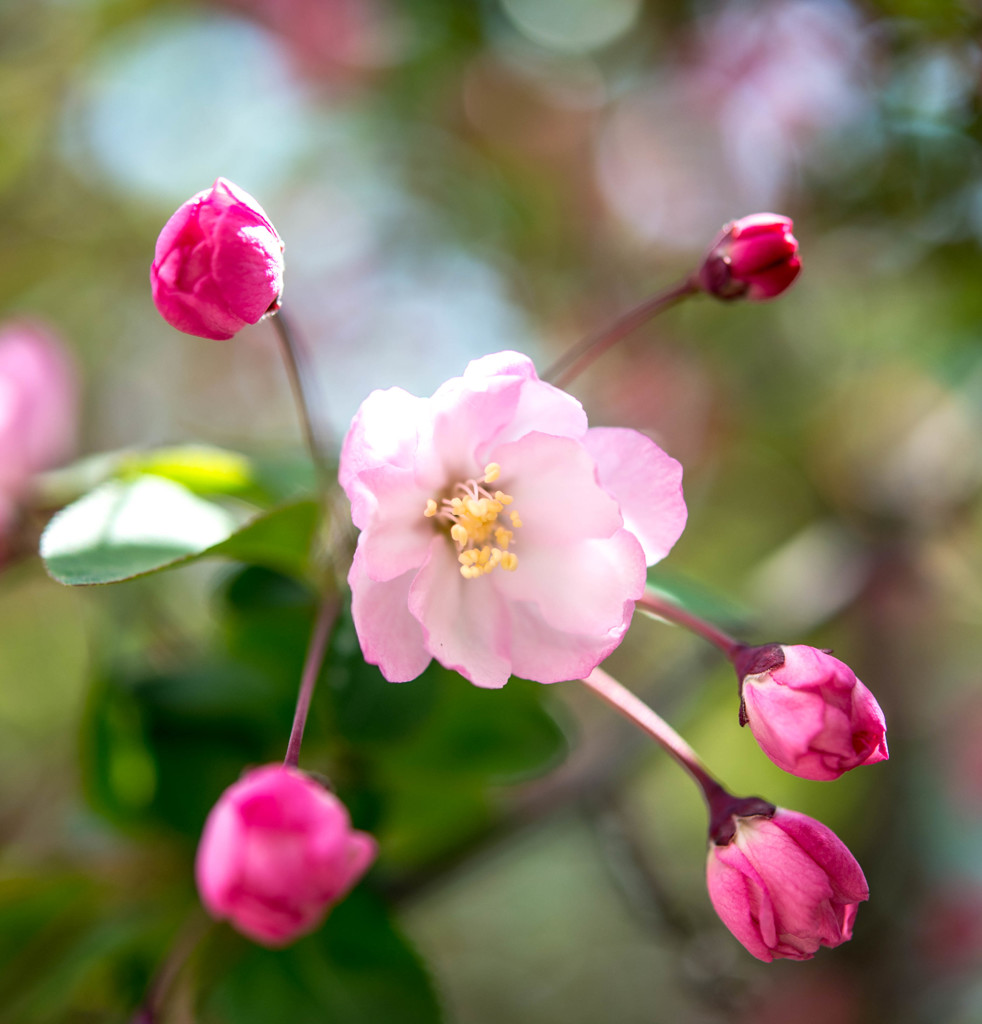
{"x": 722, "y": 805}
{"x": 301, "y": 385}
{"x": 585, "y": 352}
{"x": 316, "y": 649}
{"x": 655, "y": 603}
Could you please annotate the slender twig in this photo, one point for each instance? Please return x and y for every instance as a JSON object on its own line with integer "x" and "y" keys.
{"x": 569, "y": 366}
{"x": 191, "y": 933}
{"x": 621, "y": 699}
{"x": 722, "y": 805}
{"x": 302, "y": 385}
{"x": 316, "y": 649}
{"x": 653, "y": 602}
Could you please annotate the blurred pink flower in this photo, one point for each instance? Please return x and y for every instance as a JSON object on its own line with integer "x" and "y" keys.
{"x": 38, "y": 409}
{"x": 785, "y": 885}
{"x": 218, "y": 264}
{"x": 754, "y": 257}
{"x": 753, "y": 100}
{"x": 334, "y": 40}
{"x": 499, "y": 534}
{"x": 808, "y": 711}
{"x": 276, "y": 852}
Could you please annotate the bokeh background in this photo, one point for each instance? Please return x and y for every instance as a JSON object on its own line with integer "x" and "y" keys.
{"x": 453, "y": 178}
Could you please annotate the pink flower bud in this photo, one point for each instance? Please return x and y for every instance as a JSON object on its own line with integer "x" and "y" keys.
{"x": 808, "y": 711}
{"x": 785, "y": 885}
{"x": 218, "y": 264}
{"x": 755, "y": 257}
{"x": 277, "y": 851}
{"x": 37, "y": 407}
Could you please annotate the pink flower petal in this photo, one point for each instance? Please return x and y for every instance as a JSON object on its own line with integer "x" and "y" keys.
{"x": 548, "y": 655}
{"x": 385, "y": 431}
{"x": 737, "y": 894}
{"x": 218, "y": 263}
{"x": 554, "y": 484}
{"x": 829, "y": 852}
{"x": 397, "y": 533}
{"x": 647, "y": 484}
{"x": 465, "y": 622}
{"x": 541, "y": 407}
{"x": 390, "y": 636}
{"x": 588, "y": 587}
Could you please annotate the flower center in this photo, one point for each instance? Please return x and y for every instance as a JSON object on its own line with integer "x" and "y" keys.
{"x": 472, "y": 513}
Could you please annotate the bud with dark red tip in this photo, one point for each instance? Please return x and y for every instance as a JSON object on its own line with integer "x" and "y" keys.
{"x": 808, "y": 711}
{"x": 755, "y": 257}
{"x": 218, "y": 264}
{"x": 785, "y": 884}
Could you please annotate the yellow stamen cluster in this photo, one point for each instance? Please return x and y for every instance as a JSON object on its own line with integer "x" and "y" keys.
{"x": 482, "y": 541}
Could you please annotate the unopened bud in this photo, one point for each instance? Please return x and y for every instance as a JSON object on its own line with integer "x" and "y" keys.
{"x": 785, "y": 885}
{"x": 278, "y": 851}
{"x": 808, "y": 711}
{"x": 218, "y": 264}
{"x": 755, "y": 257}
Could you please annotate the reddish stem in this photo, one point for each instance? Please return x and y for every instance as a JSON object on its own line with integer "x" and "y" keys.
{"x": 653, "y": 602}
{"x": 302, "y": 386}
{"x": 316, "y": 649}
{"x": 632, "y": 707}
{"x": 722, "y": 805}
{"x": 581, "y": 355}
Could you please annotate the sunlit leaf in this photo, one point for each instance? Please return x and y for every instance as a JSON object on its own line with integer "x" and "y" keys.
{"x": 203, "y": 469}
{"x": 130, "y": 528}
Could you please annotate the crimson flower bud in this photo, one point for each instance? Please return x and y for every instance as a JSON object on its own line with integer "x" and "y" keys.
{"x": 808, "y": 711}
{"x": 218, "y": 264}
{"x": 755, "y": 257}
{"x": 785, "y": 885}
{"x": 277, "y": 852}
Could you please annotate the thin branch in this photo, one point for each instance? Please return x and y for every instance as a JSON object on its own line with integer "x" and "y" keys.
{"x": 581, "y": 355}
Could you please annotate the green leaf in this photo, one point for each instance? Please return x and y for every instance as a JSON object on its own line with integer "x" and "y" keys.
{"x": 200, "y": 468}
{"x": 281, "y": 539}
{"x": 160, "y": 749}
{"x": 263, "y": 478}
{"x": 472, "y": 741}
{"x": 125, "y": 529}
{"x": 74, "y": 949}
{"x": 367, "y": 708}
{"x": 357, "y": 968}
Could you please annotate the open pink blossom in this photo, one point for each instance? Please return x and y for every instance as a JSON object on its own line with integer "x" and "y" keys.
{"x": 38, "y": 409}
{"x": 808, "y": 711}
{"x": 499, "y": 534}
{"x": 785, "y": 885}
{"x": 218, "y": 264}
{"x": 277, "y": 851}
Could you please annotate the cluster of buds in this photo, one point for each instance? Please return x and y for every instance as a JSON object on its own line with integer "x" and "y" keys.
{"x": 598, "y": 506}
